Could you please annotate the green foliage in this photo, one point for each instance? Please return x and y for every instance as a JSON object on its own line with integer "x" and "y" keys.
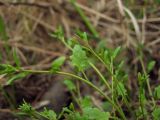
{"x": 79, "y": 58}
{"x": 156, "y": 113}
{"x": 48, "y": 114}
{"x": 157, "y": 92}
{"x": 113, "y": 85}
{"x": 27, "y": 109}
{"x": 70, "y": 85}
{"x": 86, "y": 102}
{"x": 7, "y": 69}
{"x": 85, "y": 19}
{"x": 16, "y": 58}
{"x": 88, "y": 113}
{"x": 59, "y": 33}
{"x": 95, "y": 114}
{"x": 57, "y": 64}
{"x": 16, "y": 77}
{"x": 82, "y": 35}
{"x": 109, "y": 55}
{"x": 121, "y": 89}
{"x": 150, "y": 66}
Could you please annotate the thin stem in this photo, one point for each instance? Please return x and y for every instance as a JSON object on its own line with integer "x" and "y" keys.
{"x": 85, "y": 76}
{"x": 112, "y": 77}
{"x": 97, "y": 89}
{"x": 85, "y": 19}
{"x": 85, "y": 81}
{"x": 101, "y": 76}
{"x": 148, "y": 84}
{"x": 99, "y": 58}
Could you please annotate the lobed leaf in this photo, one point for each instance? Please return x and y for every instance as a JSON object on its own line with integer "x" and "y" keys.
{"x": 79, "y": 58}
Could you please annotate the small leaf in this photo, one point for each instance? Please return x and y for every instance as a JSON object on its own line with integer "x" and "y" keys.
{"x": 142, "y": 79}
{"x": 16, "y": 58}
{"x": 86, "y": 102}
{"x": 49, "y": 114}
{"x": 26, "y": 108}
{"x": 95, "y": 114}
{"x": 156, "y": 114}
{"x": 79, "y": 58}
{"x": 150, "y": 65}
{"x": 107, "y": 57}
{"x": 82, "y": 35}
{"x": 16, "y": 77}
{"x": 57, "y": 64}
{"x": 142, "y": 96}
{"x": 6, "y": 69}
{"x": 116, "y": 52}
{"x": 157, "y": 92}
{"x": 121, "y": 89}
{"x": 70, "y": 85}
{"x": 59, "y": 33}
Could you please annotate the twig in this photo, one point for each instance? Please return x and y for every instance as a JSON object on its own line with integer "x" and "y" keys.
{"x": 31, "y": 48}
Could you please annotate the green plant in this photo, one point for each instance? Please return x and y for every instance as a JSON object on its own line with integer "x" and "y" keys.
{"x": 83, "y": 58}
{"x": 27, "y": 110}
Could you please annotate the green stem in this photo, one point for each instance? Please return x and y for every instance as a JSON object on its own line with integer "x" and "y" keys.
{"x": 85, "y": 19}
{"x": 85, "y": 81}
{"x": 101, "y": 76}
{"x": 98, "y": 57}
{"x": 147, "y": 81}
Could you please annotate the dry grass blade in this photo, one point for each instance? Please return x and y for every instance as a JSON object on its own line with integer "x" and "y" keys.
{"x": 134, "y": 22}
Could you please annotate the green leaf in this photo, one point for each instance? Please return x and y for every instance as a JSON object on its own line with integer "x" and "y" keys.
{"x": 3, "y": 33}
{"x": 95, "y": 114}
{"x": 150, "y": 65}
{"x": 82, "y": 35}
{"x": 86, "y": 102}
{"x": 116, "y": 52}
{"x": 121, "y": 89}
{"x": 142, "y": 79}
{"x": 142, "y": 96}
{"x": 26, "y": 108}
{"x": 106, "y": 56}
{"x": 70, "y": 85}
{"x": 49, "y": 114}
{"x": 57, "y": 64}
{"x": 59, "y": 33}
{"x": 140, "y": 111}
{"x": 79, "y": 58}
{"x": 157, "y": 92}
{"x": 16, "y": 77}
{"x": 6, "y": 69}
{"x": 156, "y": 114}
{"x": 16, "y": 58}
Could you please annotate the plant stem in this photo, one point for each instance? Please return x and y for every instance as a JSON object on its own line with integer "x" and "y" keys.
{"x": 147, "y": 81}
{"x": 101, "y": 76}
{"x": 85, "y": 19}
{"x": 83, "y": 80}
{"x": 98, "y": 57}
